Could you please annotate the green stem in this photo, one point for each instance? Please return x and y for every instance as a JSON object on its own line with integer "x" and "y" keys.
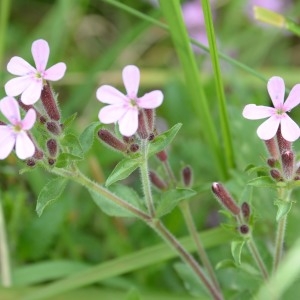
{"x": 256, "y": 256}
{"x": 185, "y": 209}
{"x": 279, "y": 241}
{"x": 187, "y": 258}
{"x": 145, "y": 178}
{"x": 224, "y": 121}
{"x": 4, "y": 251}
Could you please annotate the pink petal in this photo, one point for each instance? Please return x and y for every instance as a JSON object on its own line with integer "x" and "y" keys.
{"x": 17, "y": 86}
{"x": 293, "y": 98}
{"x": 56, "y": 72}
{"x": 128, "y": 124}
{"x": 19, "y": 66}
{"x": 256, "y": 112}
{"x": 33, "y": 92}
{"x": 24, "y": 146}
{"x": 40, "y": 52}
{"x": 10, "y": 108}
{"x": 110, "y": 95}
{"x": 151, "y": 100}
{"x": 29, "y": 119}
{"x": 268, "y": 129}
{"x": 131, "y": 79}
{"x": 111, "y": 113}
{"x": 276, "y": 89}
{"x": 289, "y": 129}
{"x": 7, "y": 141}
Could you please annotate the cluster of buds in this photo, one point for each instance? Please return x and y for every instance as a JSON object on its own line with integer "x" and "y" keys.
{"x": 241, "y": 212}
{"x": 282, "y": 159}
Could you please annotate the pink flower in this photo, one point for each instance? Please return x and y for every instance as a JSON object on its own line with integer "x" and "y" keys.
{"x": 124, "y": 109}
{"x": 15, "y": 134}
{"x": 31, "y": 80}
{"x": 277, "y": 114}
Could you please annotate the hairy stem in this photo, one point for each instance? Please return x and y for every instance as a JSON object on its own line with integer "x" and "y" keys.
{"x": 4, "y": 251}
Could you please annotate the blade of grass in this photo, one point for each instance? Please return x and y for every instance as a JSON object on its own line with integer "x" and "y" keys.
{"x": 4, "y": 15}
{"x": 172, "y": 13}
{"x": 125, "y": 264}
{"x": 154, "y": 21}
{"x": 224, "y": 122}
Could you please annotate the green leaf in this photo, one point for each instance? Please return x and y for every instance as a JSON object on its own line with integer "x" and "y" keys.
{"x": 65, "y": 158}
{"x": 170, "y": 199}
{"x": 86, "y": 139}
{"x": 236, "y": 251}
{"x": 263, "y": 181}
{"x": 50, "y": 192}
{"x": 284, "y": 208}
{"x": 123, "y": 169}
{"x": 191, "y": 282}
{"x": 112, "y": 209}
{"x": 161, "y": 141}
{"x": 225, "y": 264}
{"x": 68, "y": 122}
{"x": 72, "y": 143}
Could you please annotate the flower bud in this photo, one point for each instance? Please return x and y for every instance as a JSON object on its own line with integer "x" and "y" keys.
{"x": 30, "y": 162}
{"x": 245, "y": 207}
{"x": 187, "y": 176}
{"x": 244, "y": 229}
{"x": 2, "y": 123}
{"x": 150, "y": 118}
{"x": 143, "y": 130}
{"x": 271, "y": 162}
{"x": 225, "y": 198}
{"x": 51, "y": 161}
{"x": 43, "y": 119}
{"x": 53, "y": 127}
{"x": 157, "y": 181}
{"x": 283, "y": 144}
{"x": 112, "y": 141}
{"x": 38, "y": 154}
{"x": 275, "y": 174}
{"x": 49, "y": 102}
{"x": 272, "y": 148}
{"x": 134, "y": 148}
{"x": 52, "y": 147}
{"x": 162, "y": 155}
{"x": 288, "y": 163}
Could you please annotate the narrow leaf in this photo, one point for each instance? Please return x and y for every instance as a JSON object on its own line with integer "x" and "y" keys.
{"x": 170, "y": 199}
{"x": 123, "y": 169}
{"x": 72, "y": 143}
{"x": 163, "y": 140}
{"x": 283, "y": 208}
{"x": 50, "y": 192}
{"x": 263, "y": 181}
{"x": 69, "y": 121}
{"x": 65, "y": 158}
{"x": 86, "y": 139}
{"x": 112, "y": 209}
{"x": 236, "y": 251}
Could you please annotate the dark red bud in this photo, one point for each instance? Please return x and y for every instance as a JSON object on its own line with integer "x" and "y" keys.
{"x": 150, "y": 117}
{"x": 52, "y": 147}
{"x": 53, "y": 127}
{"x": 245, "y": 207}
{"x": 112, "y": 141}
{"x": 187, "y": 176}
{"x": 51, "y": 161}
{"x": 244, "y": 229}
{"x": 271, "y": 162}
{"x": 162, "y": 155}
{"x": 49, "y": 102}
{"x": 272, "y": 148}
{"x": 157, "y": 181}
{"x": 275, "y": 174}
{"x": 38, "y": 154}
{"x": 288, "y": 163}
{"x": 30, "y": 162}
{"x": 43, "y": 119}
{"x": 283, "y": 144}
{"x": 2, "y": 123}
{"x": 225, "y": 198}
{"x": 134, "y": 147}
{"x": 143, "y": 130}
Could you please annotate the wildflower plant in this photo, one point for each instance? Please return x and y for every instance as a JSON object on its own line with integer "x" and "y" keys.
{"x": 33, "y": 126}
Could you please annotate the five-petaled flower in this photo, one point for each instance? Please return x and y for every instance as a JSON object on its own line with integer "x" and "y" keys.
{"x": 31, "y": 80}
{"x": 124, "y": 109}
{"x": 277, "y": 114}
{"x": 14, "y": 134}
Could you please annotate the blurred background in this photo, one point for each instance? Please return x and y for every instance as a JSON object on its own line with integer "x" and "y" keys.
{"x": 96, "y": 40}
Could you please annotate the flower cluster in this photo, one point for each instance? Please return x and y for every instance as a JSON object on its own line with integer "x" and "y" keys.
{"x": 32, "y": 85}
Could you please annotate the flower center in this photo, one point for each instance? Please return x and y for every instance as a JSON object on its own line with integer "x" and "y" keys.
{"x": 17, "y": 127}
{"x": 280, "y": 111}
{"x": 132, "y": 102}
